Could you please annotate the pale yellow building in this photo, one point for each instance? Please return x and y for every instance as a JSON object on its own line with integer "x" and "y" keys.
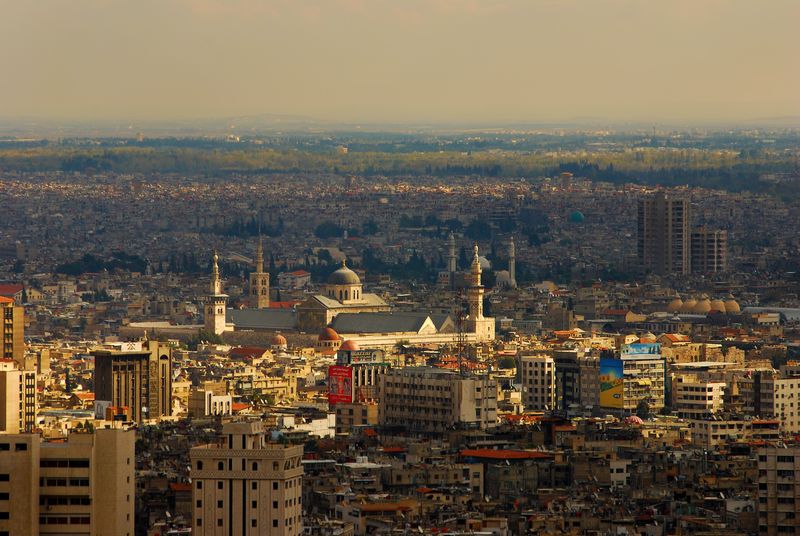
{"x": 17, "y": 398}
{"x": 245, "y": 485}
{"x": 84, "y": 485}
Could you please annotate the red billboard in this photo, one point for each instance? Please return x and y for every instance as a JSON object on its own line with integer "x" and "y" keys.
{"x": 340, "y": 384}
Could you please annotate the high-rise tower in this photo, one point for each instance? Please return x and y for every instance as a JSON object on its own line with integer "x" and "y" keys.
{"x": 664, "y": 238}
{"x": 477, "y": 323}
{"x": 214, "y": 318}
{"x": 259, "y": 281}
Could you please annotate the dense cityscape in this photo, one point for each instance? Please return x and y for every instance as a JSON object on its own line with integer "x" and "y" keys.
{"x": 385, "y": 268}
{"x": 331, "y": 354}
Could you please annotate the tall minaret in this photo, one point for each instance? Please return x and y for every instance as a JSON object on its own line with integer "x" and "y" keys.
{"x": 451, "y": 255}
{"x": 512, "y": 264}
{"x": 214, "y": 318}
{"x": 477, "y": 323}
{"x": 259, "y": 281}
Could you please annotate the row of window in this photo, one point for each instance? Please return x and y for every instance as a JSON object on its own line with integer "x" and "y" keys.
{"x": 65, "y": 520}
{"x": 64, "y": 463}
{"x": 254, "y": 484}
{"x": 63, "y": 482}
{"x": 18, "y": 447}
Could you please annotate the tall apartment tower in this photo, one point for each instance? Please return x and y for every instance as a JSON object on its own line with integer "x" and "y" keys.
{"x": 215, "y": 302}
{"x": 664, "y": 239}
{"x": 538, "y": 383}
{"x": 17, "y": 398}
{"x": 709, "y": 251}
{"x": 13, "y": 341}
{"x": 778, "y": 490}
{"x": 259, "y": 281}
{"x": 84, "y": 485}
{"x": 140, "y": 380}
{"x": 246, "y": 486}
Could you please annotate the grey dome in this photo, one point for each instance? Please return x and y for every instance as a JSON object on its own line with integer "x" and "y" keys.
{"x": 344, "y": 276}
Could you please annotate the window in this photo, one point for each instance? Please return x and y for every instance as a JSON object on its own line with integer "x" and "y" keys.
{"x": 4, "y": 477}
{"x": 274, "y": 484}
{"x": 219, "y": 485}
{"x": 253, "y": 523}
{"x": 221, "y": 466}
{"x": 274, "y": 522}
{"x": 3, "y": 515}
{"x": 199, "y": 484}
{"x": 199, "y": 466}
{"x": 219, "y": 504}
{"x": 199, "y": 503}
{"x": 255, "y": 466}
{"x": 274, "y": 504}
{"x": 199, "y": 522}
{"x": 254, "y": 485}
{"x": 219, "y": 522}
{"x": 254, "y": 504}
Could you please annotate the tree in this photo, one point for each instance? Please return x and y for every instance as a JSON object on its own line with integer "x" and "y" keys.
{"x": 507, "y": 362}
{"x": 643, "y": 410}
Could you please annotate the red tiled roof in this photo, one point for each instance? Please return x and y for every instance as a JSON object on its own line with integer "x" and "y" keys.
{"x": 282, "y": 304}
{"x": 9, "y": 289}
{"x": 239, "y": 406}
{"x": 492, "y": 454}
{"x": 3, "y": 299}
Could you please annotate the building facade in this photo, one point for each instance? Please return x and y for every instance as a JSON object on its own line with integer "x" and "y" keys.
{"x": 428, "y": 400}
{"x": 17, "y": 398}
{"x": 84, "y": 485}
{"x": 664, "y": 239}
{"x": 245, "y": 485}
{"x": 709, "y": 251}
{"x": 778, "y": 490}
{"x": 13, "y": 341}
{"x": 538, "y": 383}
{"x": 139, "y": 379}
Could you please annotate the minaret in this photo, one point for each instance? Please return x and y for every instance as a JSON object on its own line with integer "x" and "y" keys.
{"x": 451, "y": 255}
{"x": 259, "y": 281}
{"x": 214, "y": 318}
{"x": 482, "y": 327}
{"x": 512, "y": 264}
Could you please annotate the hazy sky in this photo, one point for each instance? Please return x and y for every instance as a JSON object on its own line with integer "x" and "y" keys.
{"x": 401, "y": 60}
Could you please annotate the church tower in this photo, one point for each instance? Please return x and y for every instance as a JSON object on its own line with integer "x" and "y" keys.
{"x": 259, "y": 281}
{"x": 512, "y": 264}
{"x": 482, "y": 326}
{"x": 214, "y": 317}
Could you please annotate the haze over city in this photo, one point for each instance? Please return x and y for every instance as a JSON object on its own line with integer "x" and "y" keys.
{"x": 487, "y": 62}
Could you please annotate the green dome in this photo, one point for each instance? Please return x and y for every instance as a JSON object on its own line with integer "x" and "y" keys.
{"x": 577, "y": 217}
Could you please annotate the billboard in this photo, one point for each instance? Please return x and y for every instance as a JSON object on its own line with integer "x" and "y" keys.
{"x": 641, "y": 349}
{"x": 611, "y": 383}
{"x": 340, "y": 384}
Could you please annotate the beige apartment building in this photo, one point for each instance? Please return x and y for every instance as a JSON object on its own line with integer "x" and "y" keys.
{"x": 82, "y": 486}
{"x": 778, "y": 490}
{"x": 433, "y": 401}
{"x": 17, "y": 398}
{"x": 245, "y": 485}
{"x": 694, "y": 398}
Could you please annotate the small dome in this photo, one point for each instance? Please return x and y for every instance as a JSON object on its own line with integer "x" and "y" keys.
{"x": 577, "y": 217}
{"x": 675, "y": 305}
{"x": 732, "y": 306}
{"x": 328, "y": 335}
{"x": 633, "y": 419}
{"x": 688, "y": 305}
{"x": 702, "y": 307}
{"x": 350, "y": 345}
{"x": 717, "y": 306}
{"x": 344, "y": 276}
{"x": 278, "y": 340}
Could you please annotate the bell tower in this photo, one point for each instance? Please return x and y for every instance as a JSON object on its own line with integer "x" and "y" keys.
{"x": 259, "y": 281}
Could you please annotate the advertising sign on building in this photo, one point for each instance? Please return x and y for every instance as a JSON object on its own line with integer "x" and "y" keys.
{"x": 641, "y": 349}
{"x": 340, "y": 384}
{"x": 611, "y": 383}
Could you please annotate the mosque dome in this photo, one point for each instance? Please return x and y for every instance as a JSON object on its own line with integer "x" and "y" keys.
{"x": 349, "y": 345}
{"x": 702, "y": 307}
{"x": 485, "y": 263}
{"x": 688, "y": 305}
{"x": 278, "y": 340}
{"x": 328, "y": 335}
{"x": 718, "y": 306}
{"x": 732, "y": 306}
{"x": 675, "y": 305}
{"x": 344, "y": 276}
{"x": 577, "y": 217}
